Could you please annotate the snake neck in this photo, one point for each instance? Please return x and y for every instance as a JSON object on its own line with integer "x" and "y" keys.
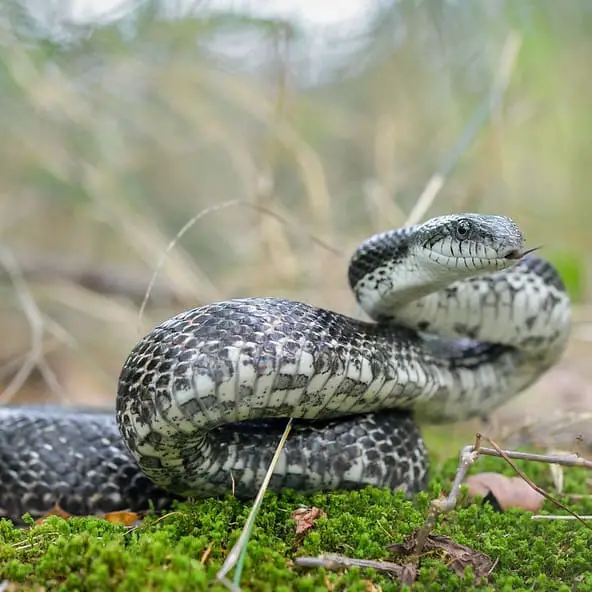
{"x": 501, "y": 332}
{"x": 525, "y": 308}
{"x": 384, "y": 272}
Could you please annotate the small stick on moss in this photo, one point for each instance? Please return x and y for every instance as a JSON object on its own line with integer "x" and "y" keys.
{"x": 237, "y": 553}
{"x": 332, "y": 561}
{"x": 551, "y": 517}
{"x": 468, "y": 456}
{"x": 206, "y": 553}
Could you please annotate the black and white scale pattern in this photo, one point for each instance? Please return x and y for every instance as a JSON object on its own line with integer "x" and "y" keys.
{"x": 460, "y": 324}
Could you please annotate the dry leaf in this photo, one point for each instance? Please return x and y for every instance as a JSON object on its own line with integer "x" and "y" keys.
{"x": 461, "y": 556}
{"x": 122, "y": 517}
{"x": 306, "y": 517}
{"x": 55, "y": 511}
{"x": 505, "y": 492}
{"x": 457, "y": 556}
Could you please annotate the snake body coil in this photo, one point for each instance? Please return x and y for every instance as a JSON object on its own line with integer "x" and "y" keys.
{"x": 462, "y": 321}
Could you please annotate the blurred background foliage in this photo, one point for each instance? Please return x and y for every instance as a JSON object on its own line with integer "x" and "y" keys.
{"x": 117, "y": 131}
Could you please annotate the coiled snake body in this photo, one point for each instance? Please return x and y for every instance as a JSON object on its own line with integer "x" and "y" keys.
{"x": 463, "y": 319}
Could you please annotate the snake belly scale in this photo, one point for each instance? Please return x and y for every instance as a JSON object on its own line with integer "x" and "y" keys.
{"x": 462, "y": 319}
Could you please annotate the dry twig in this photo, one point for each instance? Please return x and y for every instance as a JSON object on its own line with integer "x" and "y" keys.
{"x": 35, "y": 356}
{"x": 106, "y": 280}
{"x": 333, "y": 561}
{"x": 546, "y": 517}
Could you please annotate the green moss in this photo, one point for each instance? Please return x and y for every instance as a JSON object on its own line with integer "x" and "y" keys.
{"x": 165, "y": 553}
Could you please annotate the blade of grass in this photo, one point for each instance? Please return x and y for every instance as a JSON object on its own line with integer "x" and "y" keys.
{"x": 215, "y": 208}
{"x": 238, "y": 552}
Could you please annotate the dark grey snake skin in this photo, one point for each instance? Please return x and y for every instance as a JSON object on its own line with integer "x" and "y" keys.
{"x": 463, "y": 319}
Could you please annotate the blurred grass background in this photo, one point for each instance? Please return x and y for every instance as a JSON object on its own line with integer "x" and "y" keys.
{"x": 116, "y": 132}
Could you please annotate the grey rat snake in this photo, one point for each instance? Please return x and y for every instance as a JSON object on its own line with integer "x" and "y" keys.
{"x": 463, "y": 318}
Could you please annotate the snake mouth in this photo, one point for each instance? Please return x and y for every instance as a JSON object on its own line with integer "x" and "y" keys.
{"x": 516, "y": 254}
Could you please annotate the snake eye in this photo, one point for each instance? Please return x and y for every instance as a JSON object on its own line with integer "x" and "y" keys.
{"x": 463, "y": 227}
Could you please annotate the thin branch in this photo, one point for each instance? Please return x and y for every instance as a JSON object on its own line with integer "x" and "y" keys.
{"x": 566, "y": 460}
{"x": 106, "y": 280}
{"x": 533, "y": 485}
{"x": 52, "y": 381}
{"x": 469, "y": 455}
{"x": 332, "y": 561}
{"x": 551, "y": 517}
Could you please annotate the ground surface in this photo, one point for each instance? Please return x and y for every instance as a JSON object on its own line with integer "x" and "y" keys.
{"x": 184, "y": 550}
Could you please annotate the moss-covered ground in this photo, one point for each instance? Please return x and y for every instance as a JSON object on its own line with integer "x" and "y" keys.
{"x": 184, "y": 550}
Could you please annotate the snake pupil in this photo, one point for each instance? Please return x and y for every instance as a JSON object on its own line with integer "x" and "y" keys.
{"x": 462, "y": 228}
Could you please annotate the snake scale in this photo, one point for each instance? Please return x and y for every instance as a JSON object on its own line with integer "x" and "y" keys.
{"x": 462, "y": 318}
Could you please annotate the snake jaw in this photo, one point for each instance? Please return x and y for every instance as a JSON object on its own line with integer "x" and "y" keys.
{"x": 517, "y": 254}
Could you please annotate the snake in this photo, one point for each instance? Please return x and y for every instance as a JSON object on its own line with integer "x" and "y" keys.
{"x": 458, "y": 318}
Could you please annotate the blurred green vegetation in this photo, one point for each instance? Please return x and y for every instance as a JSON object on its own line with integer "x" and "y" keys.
{"x": 115, "y": 133}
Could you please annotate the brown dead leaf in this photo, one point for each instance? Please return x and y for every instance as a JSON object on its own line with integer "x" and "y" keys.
{"x": 462, "y": 556}
{"x": 507, "y": 492}
{"x": 55, "y": 511}
{"x": 122, "y": 517}
{"x": 306, "y": 517}
{"x": 457, "y": 556}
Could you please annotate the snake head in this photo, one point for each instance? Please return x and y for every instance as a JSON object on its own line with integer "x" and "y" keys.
{"x": 473, "y": 242}
{"x": 395, "y": 267}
